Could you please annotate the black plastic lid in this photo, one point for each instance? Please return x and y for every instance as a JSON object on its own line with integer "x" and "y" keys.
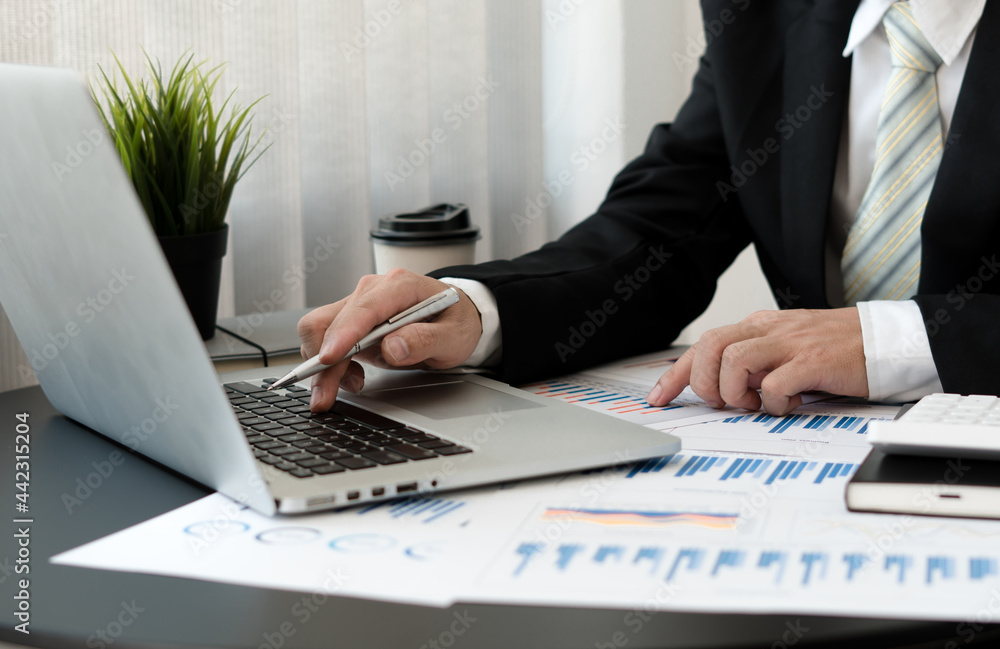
{"x": 434, "y": 223}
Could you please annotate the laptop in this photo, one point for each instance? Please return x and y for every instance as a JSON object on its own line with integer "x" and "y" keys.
{"x": 97, "y": 311}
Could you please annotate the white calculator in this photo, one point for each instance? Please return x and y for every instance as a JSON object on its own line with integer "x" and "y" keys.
{"x": 943, "y": 425}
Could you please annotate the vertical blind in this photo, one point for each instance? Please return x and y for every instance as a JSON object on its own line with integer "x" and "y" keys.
{"x": 379, "y": 106}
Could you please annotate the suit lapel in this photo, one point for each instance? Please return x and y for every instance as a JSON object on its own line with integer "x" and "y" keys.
{"x": 963, "y": 210}
{"x": 816, "y": 83}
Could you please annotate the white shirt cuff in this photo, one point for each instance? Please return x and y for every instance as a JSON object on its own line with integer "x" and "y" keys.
{"x": 490, "y": 346}
{"x": 897, "y": 352}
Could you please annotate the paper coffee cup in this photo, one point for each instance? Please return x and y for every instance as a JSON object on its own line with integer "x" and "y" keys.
{"x": 425, "y": 240}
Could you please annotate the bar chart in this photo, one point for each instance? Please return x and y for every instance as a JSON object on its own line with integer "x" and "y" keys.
{"x": 622, "y": 399}
{"x": 812, "y": 430}
{"x": 425, "y": 510}
{"x": 735, "y": 467}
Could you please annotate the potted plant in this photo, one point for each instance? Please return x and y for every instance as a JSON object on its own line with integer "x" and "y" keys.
{"x": 184, "y": 157}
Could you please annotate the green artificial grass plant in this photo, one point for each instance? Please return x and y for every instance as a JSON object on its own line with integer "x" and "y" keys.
{"x": 184, "y": 157}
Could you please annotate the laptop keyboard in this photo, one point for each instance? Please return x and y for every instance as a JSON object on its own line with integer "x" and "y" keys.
{"x": 286, "y": 435}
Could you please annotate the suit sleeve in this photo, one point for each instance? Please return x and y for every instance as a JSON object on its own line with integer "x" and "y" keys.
{"x": 628, "y": 278}
{"x": 963, "y": 328}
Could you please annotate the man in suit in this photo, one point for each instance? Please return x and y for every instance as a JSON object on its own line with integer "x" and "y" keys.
{"x": 787, "y": 140}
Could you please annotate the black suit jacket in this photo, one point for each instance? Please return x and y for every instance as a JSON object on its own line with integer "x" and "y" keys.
{"x": 751, "y": 157}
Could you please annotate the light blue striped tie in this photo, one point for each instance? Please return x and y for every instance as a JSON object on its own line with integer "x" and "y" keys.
{"x": 881, "y": 259}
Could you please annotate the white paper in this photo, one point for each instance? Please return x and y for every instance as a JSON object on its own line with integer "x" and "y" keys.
{"x": 748, "y": 517}
{"x": 414, "y": 550}
{"x": 667, "y": 540}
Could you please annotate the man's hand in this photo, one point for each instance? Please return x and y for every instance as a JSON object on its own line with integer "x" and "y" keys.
{"x": 784, "y": 353}
{"x": 332, "y": 330}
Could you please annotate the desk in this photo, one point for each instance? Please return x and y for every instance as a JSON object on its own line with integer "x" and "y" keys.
{"x": 69, "y": 605}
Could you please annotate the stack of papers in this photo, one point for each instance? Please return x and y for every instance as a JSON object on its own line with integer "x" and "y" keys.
{"x": 748, "y": 517}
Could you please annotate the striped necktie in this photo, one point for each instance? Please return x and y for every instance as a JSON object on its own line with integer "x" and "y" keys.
{"x": 881, "y": 259}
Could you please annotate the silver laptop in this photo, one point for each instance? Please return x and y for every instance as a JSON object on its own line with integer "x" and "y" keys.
{"x": 103, "y": 323}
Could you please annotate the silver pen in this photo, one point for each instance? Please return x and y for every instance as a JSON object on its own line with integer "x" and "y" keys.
{"x": 431, "y": 306}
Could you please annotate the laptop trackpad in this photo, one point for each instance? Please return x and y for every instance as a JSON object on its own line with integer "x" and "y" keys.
{"x": 450, "y": 400}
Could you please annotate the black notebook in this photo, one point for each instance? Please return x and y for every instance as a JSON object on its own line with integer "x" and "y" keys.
{"x": 931, "y": 486}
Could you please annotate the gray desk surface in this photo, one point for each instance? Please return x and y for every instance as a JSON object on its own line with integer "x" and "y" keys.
{"x": 70, "y": 605}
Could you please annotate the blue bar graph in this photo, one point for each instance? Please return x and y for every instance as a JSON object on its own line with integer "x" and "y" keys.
{"x": 730, "y": 558}
{"x": 654, "y": 465}
{"x": 652, "y": 554}
{"x": 780, "y": 425}
{"x": 811, "y": 559}
{"x": 945, "y": 566}
{"x": 789, "y": 469}
{"x": 566, "y": 554}
{"x": 734, "y": 468}
{"x": 834, "y": 470}
{"x": 982, "y": 567}
{"x": 901, "y": 562}
{"x": 608, "y": 551}
{"x": 700, "y": 463}
{"x": 855, "y": 562}
{"x": 742, "y": 566}
{"x": 771, "y": 558}
{"x": 432, "y": 509}
{"x": 690, "y": 556}
{"x": 527, "y": 550}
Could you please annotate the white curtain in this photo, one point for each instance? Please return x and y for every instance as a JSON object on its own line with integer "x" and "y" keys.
{"x": 534, "y": 104}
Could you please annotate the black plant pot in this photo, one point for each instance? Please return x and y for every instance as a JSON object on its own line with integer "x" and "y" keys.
{"x": 196, "y": 261}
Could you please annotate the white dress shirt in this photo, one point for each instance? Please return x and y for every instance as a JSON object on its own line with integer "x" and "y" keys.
{"x": 897, "y": 352}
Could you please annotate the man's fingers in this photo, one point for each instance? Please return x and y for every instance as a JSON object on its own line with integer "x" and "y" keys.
{"x": 707, "y": 364}
{"x": 325, "y": 386}
{"x": 354, "y": 378}
{"x": 313, "y": 325}
{"x": 781, "y": 390}
{"x": 673, "y": 381}
{"x": 374, "y": 301}
{"x": 743, "y": 366}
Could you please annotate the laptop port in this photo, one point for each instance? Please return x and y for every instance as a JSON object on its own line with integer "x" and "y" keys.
{"x": 378, "y": 491}
{"x": 406, "y": 487}
{"x": 353, "y": 495}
